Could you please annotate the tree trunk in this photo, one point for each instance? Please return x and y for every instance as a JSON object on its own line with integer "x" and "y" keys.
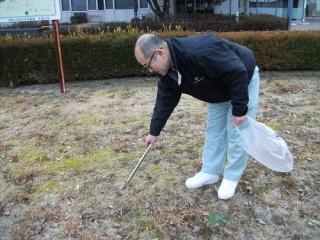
{"x": 166, "y": 7}
{"x": 135, "y": 8}
{"x": 162, "y": 14}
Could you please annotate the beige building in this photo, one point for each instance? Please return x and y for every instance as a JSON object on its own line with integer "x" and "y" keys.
{"x": 123, "y": 10}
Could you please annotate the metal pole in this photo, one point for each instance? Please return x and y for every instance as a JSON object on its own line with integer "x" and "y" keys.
{"x": 59, "y": 55}
{"x": 289, "y": 16}
{"x": 135, "y": 169}
{"x": 304, "y": 10}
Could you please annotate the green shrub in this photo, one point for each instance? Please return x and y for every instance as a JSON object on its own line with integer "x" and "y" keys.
{"x": 198, "y": 22}
{"x": 32, "y": 60}
{"x": 261, "y": 22}
{"x": 282, "y": 51}
{"x": 226, "y": 23}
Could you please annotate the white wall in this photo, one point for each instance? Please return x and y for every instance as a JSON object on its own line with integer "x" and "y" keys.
{"x": 107, "y": 15}
{"x": 111, "y": 15}
{"x": 224, "y": 8}
{"x": 297, "y": 13}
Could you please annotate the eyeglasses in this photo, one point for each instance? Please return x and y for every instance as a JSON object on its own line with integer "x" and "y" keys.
{"x": 147, "y": 66}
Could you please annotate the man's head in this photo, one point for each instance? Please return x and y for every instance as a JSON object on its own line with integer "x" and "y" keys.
{"x": 153, "y": 53}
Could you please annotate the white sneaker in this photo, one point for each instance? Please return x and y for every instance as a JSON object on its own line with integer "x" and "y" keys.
{"x": 201, "y": 179}
{"x": 227, "y": 189}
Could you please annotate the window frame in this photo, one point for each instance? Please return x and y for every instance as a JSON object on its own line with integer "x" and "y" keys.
{"x": 90, "y": 10}
{"x": 103, "y": 7}
{"x": 114, "y": 6}
{"x": 70, "y": 9}
{"x": 143, "y": 7}
{"x": 86, "y": 1}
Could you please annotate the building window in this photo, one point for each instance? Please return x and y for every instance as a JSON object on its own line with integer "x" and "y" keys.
{"x": 124, "y": 4}
{"x": 313, "y": 8}
{"x": 100, "y": 5}
{"x": 92, "y": 5}
{"x": 65, "y": 5}
{"x": 143, "y": 4}
{"x": 78, "y": 5}
{"x": 268, "y": 3}
{"x": 180, "y": 6}
{"x": 109, "y": 4}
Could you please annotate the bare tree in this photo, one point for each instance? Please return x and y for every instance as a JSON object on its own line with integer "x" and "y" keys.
{"x": 155, "y": 7}
{"x": 135, "y": 8}
{"x": 164, "y": 12}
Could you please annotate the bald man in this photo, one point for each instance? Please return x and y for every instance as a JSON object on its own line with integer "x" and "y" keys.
{"x": 220, "y": 72}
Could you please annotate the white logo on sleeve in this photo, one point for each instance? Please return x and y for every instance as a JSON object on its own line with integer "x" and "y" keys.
{"x": 179, "y": 78}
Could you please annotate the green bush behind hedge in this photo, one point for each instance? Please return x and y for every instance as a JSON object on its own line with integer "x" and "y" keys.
{"x": 32, "y": 60}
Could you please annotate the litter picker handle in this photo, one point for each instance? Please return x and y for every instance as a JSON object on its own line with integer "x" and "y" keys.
{"x": 138, "y": 164}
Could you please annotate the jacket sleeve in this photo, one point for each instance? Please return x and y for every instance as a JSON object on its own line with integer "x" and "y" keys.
{"x": 167, "y": 99}
{"x": 225, "y": 66}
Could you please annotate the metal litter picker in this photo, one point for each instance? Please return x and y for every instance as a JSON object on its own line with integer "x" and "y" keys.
{"x": 135, "y": 169}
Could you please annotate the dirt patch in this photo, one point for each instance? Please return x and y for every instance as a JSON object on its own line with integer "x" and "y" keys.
{"x": 64, "y": 156}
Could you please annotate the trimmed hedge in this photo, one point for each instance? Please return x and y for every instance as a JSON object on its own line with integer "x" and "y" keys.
{"x": 198, "y": 22}
{"x": 282, "y": 51}
{"x": 218, "y": 23}
{"x": 24, "y": 61}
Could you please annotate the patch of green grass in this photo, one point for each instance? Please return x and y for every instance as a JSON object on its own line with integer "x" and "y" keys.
{"x": 150, "y": 191}
{"x": 171, "y": 179}
{"x": 2, "y": 134}
{"x": 85, "y": 122}
{"x": 87, "y": 119}
{"x": 45, "y": 186}
{"x": 276, "y": 126}
{"x": 32, "y": 155}
{"x": 156, "y": 170}
{"x": 5, "y": 190}
{"x": 58, "y": 124}
{"x": 26, "y": 157}
{"x": 83, "y": 163}
{"x": 304, "y": 154}
{"x": 150, "y": 234}
{"x": 217, "y": 219}
{"x": 305, "y": 115}
{"x": 277, "y": 220}
{"x": 133, "y": 122}
{"x": 9, "y": 101}
{"x": 145, "y": 229}
{"x": 109, "y": 94}
{"x": 182, "y": 163}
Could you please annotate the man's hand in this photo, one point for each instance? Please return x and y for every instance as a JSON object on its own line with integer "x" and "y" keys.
{"x": 238, "y": 120}
{"x": 151, "y": 140}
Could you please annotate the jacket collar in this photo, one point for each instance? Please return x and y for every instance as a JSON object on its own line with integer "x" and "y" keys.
{"x": 172, "y": 52}
{"x": 173, "y": 72}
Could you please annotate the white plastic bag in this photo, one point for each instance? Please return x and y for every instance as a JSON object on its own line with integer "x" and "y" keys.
{"x": 265, "y": 146}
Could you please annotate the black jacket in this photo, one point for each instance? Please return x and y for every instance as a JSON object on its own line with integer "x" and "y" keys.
{"x": 211, "y": 69}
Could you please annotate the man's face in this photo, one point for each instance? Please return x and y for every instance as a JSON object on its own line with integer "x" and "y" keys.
{"x": 158, "y": 63}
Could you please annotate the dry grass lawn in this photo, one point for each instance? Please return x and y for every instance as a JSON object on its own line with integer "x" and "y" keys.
{"x": 63, "y": 158}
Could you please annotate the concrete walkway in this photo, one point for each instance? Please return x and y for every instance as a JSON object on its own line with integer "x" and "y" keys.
{"x": 308, "y": 24}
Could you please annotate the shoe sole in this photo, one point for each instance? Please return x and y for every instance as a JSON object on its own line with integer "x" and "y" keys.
{"x": 225, "y": 198}
{"x": 207, "y": 183}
